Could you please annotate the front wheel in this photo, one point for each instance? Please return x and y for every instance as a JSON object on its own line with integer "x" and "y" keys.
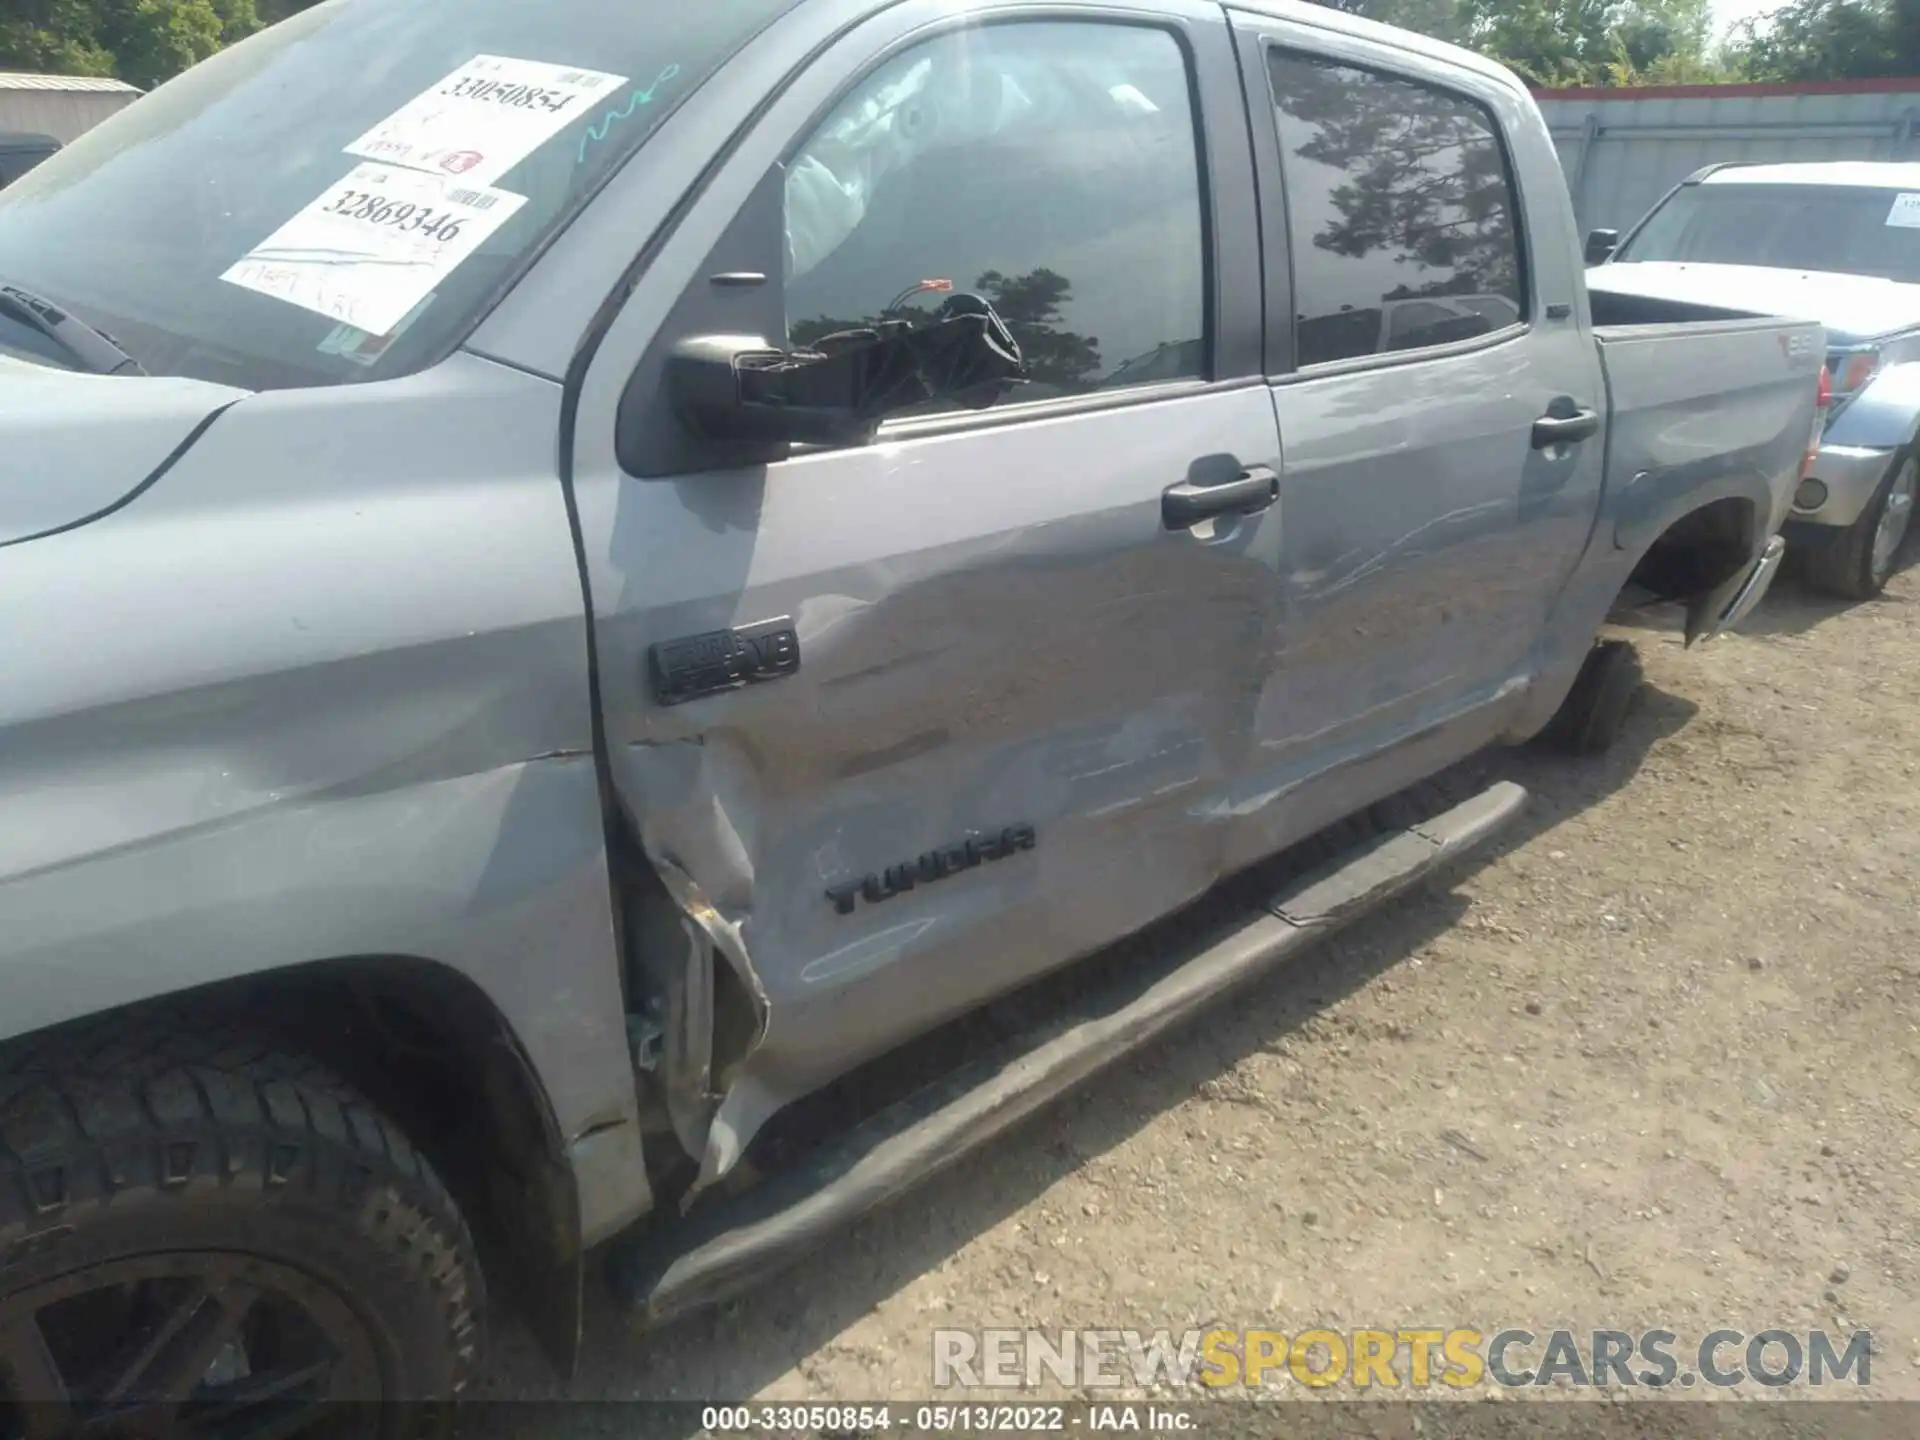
{"x": 202, "y": 1235}
{"x": 1857, "y": 563}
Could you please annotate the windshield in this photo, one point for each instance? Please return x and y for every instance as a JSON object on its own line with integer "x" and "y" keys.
{"x": 341, "y": 197}
{"x": 1844, "y": 229}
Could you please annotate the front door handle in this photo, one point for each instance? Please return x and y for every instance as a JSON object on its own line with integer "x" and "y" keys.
{"x": 1187, "y": 504}
{"x": 1564, "y": 423}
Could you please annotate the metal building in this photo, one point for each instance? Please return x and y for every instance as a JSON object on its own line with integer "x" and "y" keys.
{"x": 62, "y": 106}
{"x": 1624, "y": 149}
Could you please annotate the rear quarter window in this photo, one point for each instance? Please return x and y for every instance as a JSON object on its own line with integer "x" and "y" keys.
{"x": 1401, "y": 207}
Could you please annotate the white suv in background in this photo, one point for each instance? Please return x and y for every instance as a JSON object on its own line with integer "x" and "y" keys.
{"x": 1837, "y": 242}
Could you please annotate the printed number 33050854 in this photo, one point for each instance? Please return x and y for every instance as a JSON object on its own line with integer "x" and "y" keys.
{"x": 511, "y": 96}
{"x": 399, "y": 215}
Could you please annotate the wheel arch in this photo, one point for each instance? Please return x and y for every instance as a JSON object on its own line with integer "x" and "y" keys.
{"x": 1700, "y": 550}
{"x": 429, "y": 1047}
{"x": 1689, "y": 557}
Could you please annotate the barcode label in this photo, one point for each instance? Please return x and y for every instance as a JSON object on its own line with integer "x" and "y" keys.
{"x": 473, "y": 199}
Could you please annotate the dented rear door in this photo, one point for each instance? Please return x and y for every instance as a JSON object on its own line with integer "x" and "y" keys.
{"x": 1439, "y": 403}
{"x": 906, "y": 724}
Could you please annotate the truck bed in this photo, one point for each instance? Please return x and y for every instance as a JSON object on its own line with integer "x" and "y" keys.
{"x": 1620, "y": 310}
{"x": 1705, "y": 404}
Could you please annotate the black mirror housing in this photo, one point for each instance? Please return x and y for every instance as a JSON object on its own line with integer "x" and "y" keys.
{"x": 727, "y": 388}
{"x": 1600, "y": 245}
{"x": 737, "y": 390}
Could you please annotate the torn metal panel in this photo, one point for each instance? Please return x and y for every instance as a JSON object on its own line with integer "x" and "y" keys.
{"x": 699, "y": 1053}
{"x": 687, "y": 1078}
{"x": 713, "y": 932}
{"x": 748, "y": 1105}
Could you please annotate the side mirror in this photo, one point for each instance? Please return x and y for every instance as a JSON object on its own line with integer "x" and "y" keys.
{"x": 720, "y": 385}
{"x": 1600, "y": 245}
{"x": 737, "y": 389}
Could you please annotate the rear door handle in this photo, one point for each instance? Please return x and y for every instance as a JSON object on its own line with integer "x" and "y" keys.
{"x": 1564, "y": 423}
{"x": 1186, "y": 504}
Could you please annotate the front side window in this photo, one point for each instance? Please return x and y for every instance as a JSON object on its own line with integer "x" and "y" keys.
{"x": 1051, "y": 168}
{"x": 1401, "y": 210}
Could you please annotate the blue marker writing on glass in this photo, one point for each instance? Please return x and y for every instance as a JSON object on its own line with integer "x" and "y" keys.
{"x": 600, "y": 129}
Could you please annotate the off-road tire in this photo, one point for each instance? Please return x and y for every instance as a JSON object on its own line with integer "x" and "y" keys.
{"x": 1595, "y": 711}
{"x": 178, "y": 1135}
{"x": 1843, "y": 566}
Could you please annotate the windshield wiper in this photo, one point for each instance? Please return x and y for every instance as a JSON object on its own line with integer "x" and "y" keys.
{"x": 97, "y": 353}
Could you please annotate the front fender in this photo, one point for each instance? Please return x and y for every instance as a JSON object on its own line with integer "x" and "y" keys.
{"x": 321, "y": 690}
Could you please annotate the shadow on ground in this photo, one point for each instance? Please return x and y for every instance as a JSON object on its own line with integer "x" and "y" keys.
{"x": 738, "y": 1350}
{"x": 1794, "y": 608}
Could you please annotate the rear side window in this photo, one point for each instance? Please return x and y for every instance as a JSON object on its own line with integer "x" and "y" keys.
{"x": 1051, "y": 167}
{"x": 1401, "y": 208}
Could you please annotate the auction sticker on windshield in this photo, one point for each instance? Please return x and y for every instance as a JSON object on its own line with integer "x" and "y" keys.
{"x": 484, "y": 118}
{"x": 1906, "y": 211}
{"x": 374, "y": 245}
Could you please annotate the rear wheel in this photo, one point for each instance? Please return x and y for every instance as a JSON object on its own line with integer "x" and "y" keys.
{"x": 1857, "y": 563}
{"x": 1595, "y": 711}
{"x": 201, "y": 1235}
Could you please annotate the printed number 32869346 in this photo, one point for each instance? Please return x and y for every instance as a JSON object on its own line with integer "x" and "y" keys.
{"x": 400, "y": 215}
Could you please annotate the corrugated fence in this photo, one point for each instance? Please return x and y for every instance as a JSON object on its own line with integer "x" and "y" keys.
{"x": 1623, "y": 149}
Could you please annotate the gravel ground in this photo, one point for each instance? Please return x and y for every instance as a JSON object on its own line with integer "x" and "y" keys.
{"x": 1650, "y": 1062}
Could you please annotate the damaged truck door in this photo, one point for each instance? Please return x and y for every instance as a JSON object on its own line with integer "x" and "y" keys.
{"x": 1425, "y": 537}
{"x": 1009, "y": 639}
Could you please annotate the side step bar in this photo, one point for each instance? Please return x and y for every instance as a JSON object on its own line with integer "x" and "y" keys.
{"x": 713, "y": 1255}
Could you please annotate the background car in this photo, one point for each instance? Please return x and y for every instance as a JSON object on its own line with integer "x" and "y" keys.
{"x": 20, "y": 153}
{"x": 1838, "y": 243}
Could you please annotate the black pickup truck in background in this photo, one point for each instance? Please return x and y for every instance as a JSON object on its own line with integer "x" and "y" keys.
{"x": 20, "y": 153}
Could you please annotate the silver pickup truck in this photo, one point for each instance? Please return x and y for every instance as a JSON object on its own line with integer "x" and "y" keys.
{"x": 1838, "y": 242}
{"x": 572, "y": 592}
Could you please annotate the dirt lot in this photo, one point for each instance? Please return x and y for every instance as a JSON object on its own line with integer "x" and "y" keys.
{"x": 1651, "y": 1062}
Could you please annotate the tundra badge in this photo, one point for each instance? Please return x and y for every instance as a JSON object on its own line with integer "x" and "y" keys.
{"x": 934, "y": 865}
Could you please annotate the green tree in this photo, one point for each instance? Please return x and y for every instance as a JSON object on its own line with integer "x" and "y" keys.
{"x": 1442, "y": 19}
{"x": 272, "y": 12}
{"x": 1030, "y": 304}
{"x": 1568, "y": 42}
{"x": 58, "y": 37}
{"x": 1453, "y": 216}
{"x": 143, "y": 42}
{"x": 1832, "y": 40}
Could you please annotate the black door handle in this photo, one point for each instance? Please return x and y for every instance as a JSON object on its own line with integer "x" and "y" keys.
{"x": 1564, "y": 423}
{"x": 1187, "y": 504}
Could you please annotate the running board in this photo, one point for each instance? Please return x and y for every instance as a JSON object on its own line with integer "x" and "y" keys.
{"x": 665, "y": 1271}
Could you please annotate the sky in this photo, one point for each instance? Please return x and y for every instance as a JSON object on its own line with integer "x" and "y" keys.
{"x": 1728, "y": 13}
